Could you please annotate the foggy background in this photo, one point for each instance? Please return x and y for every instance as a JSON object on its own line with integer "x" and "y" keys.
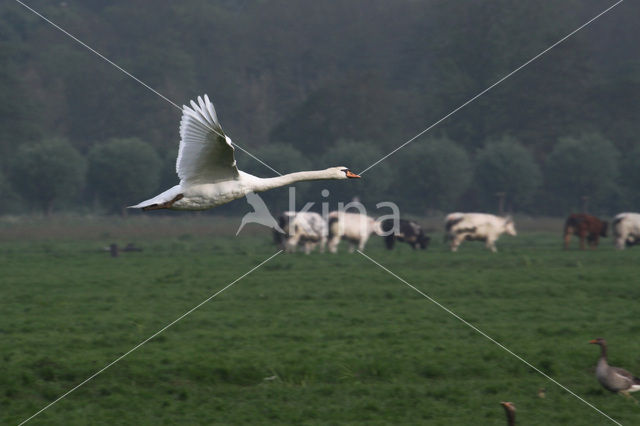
{"x": 310, "y": 84}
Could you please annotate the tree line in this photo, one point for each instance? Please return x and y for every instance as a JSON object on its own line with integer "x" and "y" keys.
{"x": 310, "y": 84}
{"x": 431, "y": 176}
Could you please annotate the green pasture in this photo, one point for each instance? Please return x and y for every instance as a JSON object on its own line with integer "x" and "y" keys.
{"x": 319, "y": 339}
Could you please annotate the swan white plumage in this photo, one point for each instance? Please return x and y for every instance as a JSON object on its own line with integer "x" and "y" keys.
{"x": 207, "y": 168}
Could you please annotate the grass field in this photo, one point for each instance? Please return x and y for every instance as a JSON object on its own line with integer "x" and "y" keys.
{"x": 319, "y": 339}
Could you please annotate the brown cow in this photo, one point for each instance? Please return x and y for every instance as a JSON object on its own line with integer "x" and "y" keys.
{"x": 584, "y": 225}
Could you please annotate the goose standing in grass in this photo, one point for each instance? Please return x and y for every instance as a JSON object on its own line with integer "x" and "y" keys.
{"x": 510, "y": 411}
{"x": 207, "y": 168}
{"x": 614, "y": 379}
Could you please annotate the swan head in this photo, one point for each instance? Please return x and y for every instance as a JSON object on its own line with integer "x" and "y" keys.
{"x": 343, "y": 173}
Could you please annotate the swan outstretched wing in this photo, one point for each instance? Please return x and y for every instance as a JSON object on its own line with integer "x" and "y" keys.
{"x": 206, "y": 153}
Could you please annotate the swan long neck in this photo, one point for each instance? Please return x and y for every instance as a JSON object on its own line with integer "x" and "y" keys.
{"x": 264, "y": 184}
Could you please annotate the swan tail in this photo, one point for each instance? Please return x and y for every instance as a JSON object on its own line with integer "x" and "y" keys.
{"x": 161, "y": 201}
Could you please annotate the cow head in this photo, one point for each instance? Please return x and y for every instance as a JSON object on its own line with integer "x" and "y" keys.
{"x": 603, "y": 231}
{"x": 510, "y": 226}
{"x": 376, "y": 227}
{"x": 278, "y": 238}
{"x": 423, "y": 240}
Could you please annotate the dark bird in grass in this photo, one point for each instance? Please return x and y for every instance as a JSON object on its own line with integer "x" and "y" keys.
{"x": 614, "y": 379}
{"x": 510, "y": 411}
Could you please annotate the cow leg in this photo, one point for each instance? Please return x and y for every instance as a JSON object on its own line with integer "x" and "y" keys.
{"x": 490, "y": 244}
{"x": 292, "y": 243}
{"x": 333, "y": 244}
{"x": 308, "y": 246}
{"x": 582, "y": 237}
{"x": 362, "y": 243}
{"x": 455, "y": 242}
{"x": 567, "y": 239}
{"x": 595, "y": 239}
{"x": 390, "y": 241}
{"x": 323, "y": 244}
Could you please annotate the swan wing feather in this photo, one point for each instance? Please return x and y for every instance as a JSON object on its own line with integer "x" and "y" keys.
{"x": 206, "y": 153}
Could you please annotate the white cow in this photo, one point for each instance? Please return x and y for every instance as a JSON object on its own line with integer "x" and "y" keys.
{"x": 303, "y": 227}
{"x": 477, "y": 227}
{"x": 626, "y": 230}
{"x": 353, "y": 227}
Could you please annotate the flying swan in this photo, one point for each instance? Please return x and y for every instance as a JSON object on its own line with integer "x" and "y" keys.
{"x": 207, "y": 168}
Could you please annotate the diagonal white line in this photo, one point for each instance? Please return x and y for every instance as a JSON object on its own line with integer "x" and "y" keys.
{"x": 501, "y": 346}
{"x": 493, "y": 85}
{"x": 256, "y": 158}
{"x": 77, "y": 40}
{"x": 149, "y": 338}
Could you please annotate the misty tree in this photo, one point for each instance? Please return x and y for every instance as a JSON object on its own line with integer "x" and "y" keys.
{"x": 506, "y": 166}
{"x": 359, "y": 84}
{"x": 585, "y": 165}
{"x": 5, "y": 188}
{"x": 353, "y": 108}
{"x": 431, "y": 174}
{"x": 48, "y": 172}
{"x": 123, "y": 172}
{"x": 168, "y": 173}
{"x": 12, "y": 202}
{"x": 19, "y": 115}
{"x": 630, "y": 179}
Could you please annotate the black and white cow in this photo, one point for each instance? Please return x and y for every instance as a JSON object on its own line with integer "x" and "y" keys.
{"x": 626, "y": 230}
{"x": 477, "y": 227}
{"x": 408, "y": 231}
{"x": 306, "y": 228}
{"x": 356, "y": 228}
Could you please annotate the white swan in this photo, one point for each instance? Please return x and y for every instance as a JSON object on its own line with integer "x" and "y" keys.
{"x": 207, "y": 168}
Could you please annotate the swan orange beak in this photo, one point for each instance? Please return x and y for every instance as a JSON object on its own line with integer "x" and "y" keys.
{"x": 350, "y": 174}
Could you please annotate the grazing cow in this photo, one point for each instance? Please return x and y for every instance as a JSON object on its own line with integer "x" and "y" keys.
{"x": 477, "y": 227}
{"x": 356, "y": 228}
{"x": 408, "y": 231}
{"x": 303, "y": 227}
{"x": 626, "y": 230}
{"x": 279, "y": 238}
{"x": 584, "y": 226}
